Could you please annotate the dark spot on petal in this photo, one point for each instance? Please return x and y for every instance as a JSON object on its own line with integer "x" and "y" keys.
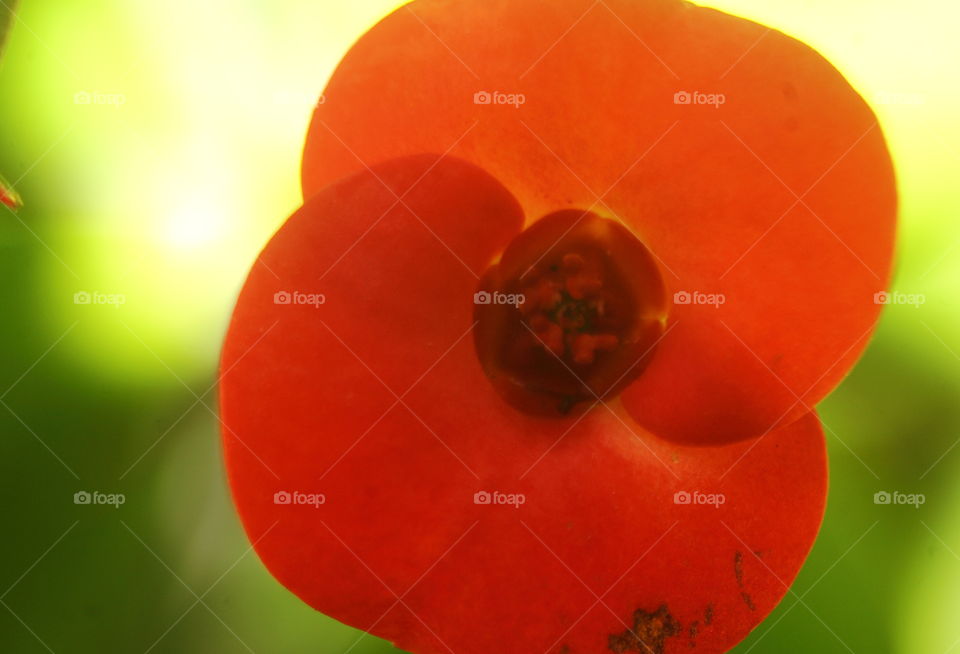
{"x": 708, "y": 614}
{"x": 738, "y": 572}
{"x": 649, "y": 633}
{"x": 790, "y": 92}
{"x": 693, "y": 631}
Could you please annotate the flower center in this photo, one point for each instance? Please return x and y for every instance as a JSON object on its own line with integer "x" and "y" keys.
{"x": 571, "y": 313}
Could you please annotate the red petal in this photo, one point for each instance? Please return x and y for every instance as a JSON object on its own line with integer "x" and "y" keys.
{"x": 782, "y": 199}
{"x": 8, "y": 195}
{"x": 375, "y": 399}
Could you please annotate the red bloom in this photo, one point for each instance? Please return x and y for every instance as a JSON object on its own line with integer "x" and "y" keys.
{"x": 550, "y": 391}
{"x": 8, "y": 195}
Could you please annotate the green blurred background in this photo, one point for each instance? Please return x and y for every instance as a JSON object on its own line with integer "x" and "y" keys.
{"x": 157, "y": 147}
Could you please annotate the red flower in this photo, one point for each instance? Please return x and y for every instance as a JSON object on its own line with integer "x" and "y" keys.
{"x": 551, "y": 390}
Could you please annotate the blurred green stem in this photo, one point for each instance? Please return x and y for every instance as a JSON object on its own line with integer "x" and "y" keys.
{"x": 8, "y": 196}
{"x": 7, "y": 7}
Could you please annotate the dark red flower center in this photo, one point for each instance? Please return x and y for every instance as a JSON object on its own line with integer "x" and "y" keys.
{"x": 571, "y": 313}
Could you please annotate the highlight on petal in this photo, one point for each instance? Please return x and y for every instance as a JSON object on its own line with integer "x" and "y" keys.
{"x": 740, "y": 158}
